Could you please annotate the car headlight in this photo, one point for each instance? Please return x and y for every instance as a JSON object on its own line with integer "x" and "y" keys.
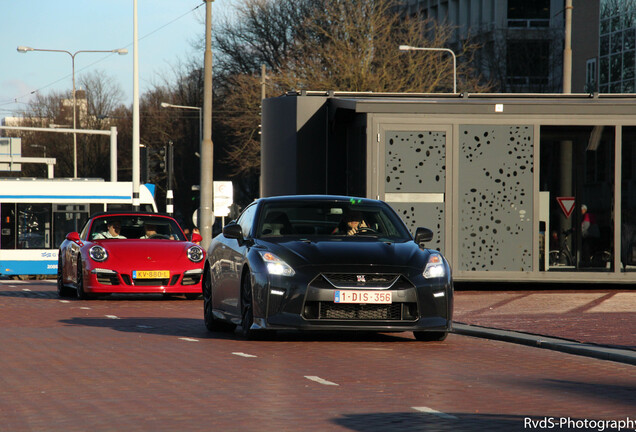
{"x": 195, "y": 254}
{"x": 435, "y": 267}
{"x": 275, "y": 265}
{"x": 98, "y": 253}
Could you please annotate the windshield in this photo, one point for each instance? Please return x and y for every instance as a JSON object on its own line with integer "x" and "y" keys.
{"x": 327, "y": 218}
{"x": 135, "y": 227}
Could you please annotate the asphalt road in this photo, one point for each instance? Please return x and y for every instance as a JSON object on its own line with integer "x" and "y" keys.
{"x": 148, "y": 364}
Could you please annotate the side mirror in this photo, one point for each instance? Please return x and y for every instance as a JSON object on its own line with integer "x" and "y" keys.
{"x": 233, "y": 231}
{"x": 196, "y": 238}
{"x": 423, "y": 235}
{"x": 74, "y": 237}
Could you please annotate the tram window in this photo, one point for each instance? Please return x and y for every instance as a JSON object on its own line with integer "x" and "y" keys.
{"x": 7, "y": 227}
{"x": 34, "y": 226}
{"x": 68, "y": 218}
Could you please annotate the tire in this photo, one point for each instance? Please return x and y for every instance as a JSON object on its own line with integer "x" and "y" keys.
{"x": 247, "y": 313}
{"x": 211, "y": 323}
{"x": 81, "y": 294}
{"x": 430, "y": 336}
{"x": 62, "y": 291}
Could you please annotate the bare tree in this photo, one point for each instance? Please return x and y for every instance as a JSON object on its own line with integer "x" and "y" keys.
{"x": 103, "y": 97}
{"x": 346, "y": 45}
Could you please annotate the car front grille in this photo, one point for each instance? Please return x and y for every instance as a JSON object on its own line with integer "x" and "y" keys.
{"x": 324, "y": 310}
{"x": 362, "y": 280}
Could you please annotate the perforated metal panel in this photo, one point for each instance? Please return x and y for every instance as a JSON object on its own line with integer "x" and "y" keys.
{"x": 495, "y": 197}
{"x": 415, "y": 170}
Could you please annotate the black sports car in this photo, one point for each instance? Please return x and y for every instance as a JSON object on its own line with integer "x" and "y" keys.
{"x": 325, "y": 263}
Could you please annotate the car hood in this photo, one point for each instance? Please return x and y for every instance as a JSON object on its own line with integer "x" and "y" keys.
{"x": 358, "y": 251}
{"x": 148, "y": 251}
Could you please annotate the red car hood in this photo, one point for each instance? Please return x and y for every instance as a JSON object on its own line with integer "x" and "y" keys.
{"x": 144, "y": 254}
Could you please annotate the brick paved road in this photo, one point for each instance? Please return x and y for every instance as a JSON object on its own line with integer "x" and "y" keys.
{"x": 149, "y": 365}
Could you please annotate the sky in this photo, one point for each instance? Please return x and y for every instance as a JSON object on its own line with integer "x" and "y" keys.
{"x": 166, "y": 28}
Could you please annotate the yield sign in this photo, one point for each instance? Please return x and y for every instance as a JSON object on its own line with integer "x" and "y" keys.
{"x": 566, "y": 204}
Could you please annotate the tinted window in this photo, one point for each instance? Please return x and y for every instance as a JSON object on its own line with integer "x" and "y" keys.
{"x": 246, "y": 220}
{"x": 328, "y": 218}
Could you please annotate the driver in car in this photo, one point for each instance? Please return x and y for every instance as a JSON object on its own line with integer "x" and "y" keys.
{"x": 113, "y": 231}
{"x": 351, "y": 224}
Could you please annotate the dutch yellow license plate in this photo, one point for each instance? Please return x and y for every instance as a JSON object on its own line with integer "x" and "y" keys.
{"x": 151, "y": 274}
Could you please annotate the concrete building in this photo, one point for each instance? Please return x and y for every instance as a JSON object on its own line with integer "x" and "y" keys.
{"x": 522, "y": 41}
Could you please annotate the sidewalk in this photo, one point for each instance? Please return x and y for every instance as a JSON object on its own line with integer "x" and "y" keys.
{"x": 597, "y": 322}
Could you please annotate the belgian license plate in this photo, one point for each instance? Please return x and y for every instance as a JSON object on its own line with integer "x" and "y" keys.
{"x": 151, "y": 274}
{"x": 350, "y": 296}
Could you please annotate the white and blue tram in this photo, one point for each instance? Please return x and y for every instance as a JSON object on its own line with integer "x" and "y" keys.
{"x": 36, "y": 215}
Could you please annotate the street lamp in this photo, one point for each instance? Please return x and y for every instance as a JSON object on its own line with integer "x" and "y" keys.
{"x": 411, "y": 48}
{"x": 121, "y": 51}
{"x": 168, "y": 105}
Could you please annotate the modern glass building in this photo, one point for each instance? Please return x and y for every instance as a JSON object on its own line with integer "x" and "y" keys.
{"x": 617, "y": 46}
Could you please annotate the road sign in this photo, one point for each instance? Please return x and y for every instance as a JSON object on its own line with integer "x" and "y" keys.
{"x": 567, "y": 205}
{"x": 223, "y": 198}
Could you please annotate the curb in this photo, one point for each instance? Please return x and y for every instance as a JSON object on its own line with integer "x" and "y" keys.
{"x": 546, "y": 342}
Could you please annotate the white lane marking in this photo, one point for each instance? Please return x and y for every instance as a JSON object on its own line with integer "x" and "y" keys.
{"x": 25, "y": 289}
{"x": 189, "y": 339}
{"x": 85, "y": 308}
{"x": 112, "y": 316}
{"x": 320, "y": 380}
{"x": 428, "y": 410}
{"x": 240, "y": 354}
{"x": 64, "y": 301}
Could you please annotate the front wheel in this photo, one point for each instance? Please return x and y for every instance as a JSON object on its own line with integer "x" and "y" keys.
{"x": 430, "y": 336}
{"x": 247, "y": 313}
{"x": 81, "y": 294}
{"x": 211, "y": 323}
{"x": 62, "y": 291}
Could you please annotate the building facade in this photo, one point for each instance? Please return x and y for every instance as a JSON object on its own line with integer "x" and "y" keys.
{"x": 522, "y": 41}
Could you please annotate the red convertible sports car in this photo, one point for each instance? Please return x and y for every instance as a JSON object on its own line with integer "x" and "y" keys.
{"x": 130, "y": 253}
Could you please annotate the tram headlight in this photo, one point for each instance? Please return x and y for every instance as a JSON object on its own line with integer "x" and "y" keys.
{"x": 98, "y": 253}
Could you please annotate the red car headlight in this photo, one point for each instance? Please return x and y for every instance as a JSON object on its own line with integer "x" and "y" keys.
{"x": 195, "y": 254}
{"x": 98, "y": 253}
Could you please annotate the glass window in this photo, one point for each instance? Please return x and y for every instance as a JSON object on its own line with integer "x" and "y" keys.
{"x": 34, "y": 226}
{"x": 629, "y": 39}
{"x": 136, "y": 227}
{"x": 605, "y": 25}
{"x": 617, "y": 42}
{"x": 246, "y": 220}
{"x": 524, "y": 9}
{"x": 616, "y": 67}
{"x": 67, "y": 218}
{"x": 604, "y": 45}
{"x": 628, "y": 65}
{"x": 8, "y": 226}
{"x": 585, "y": 160}
{"x": 603, "y": 71}
{"x": 328, "y": 218}
{"x": 628, "y": 204}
